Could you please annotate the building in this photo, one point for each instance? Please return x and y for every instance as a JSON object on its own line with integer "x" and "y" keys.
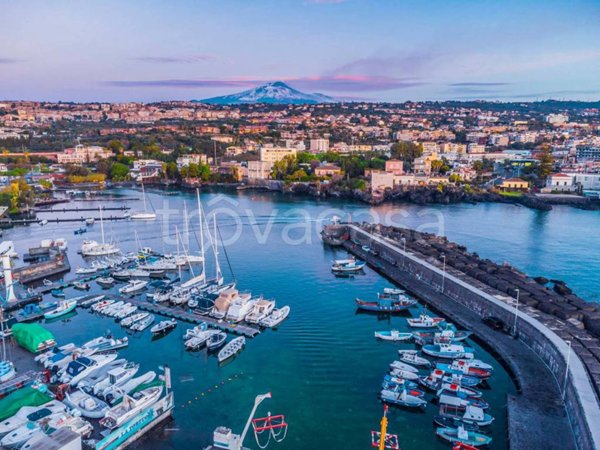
{"x": 514, "y": 184}
{"x": 557, "y": 119}
{"x": 186, "y": 160}
{"x": 452, "y": 147}
{"x": 328, "y": 170}
{"x": 423, "y": 163}
{"x": 475, "y": 148}
{"x": 268, "y": 153}
{"x": 319, "y": 145}
{"x": 588, "y": 153}
{"x": 258, "y": 170}
{"x": 83, "y": 154}
{"x": 586, "y": 181}
{"x": 394, "y": 166}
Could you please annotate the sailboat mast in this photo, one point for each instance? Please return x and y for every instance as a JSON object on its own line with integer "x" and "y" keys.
{"x": 144, "y": 196}
{"x": 200, "y": 221}
{"x": 216, "y": 250}
{"x": 101, "y": 223}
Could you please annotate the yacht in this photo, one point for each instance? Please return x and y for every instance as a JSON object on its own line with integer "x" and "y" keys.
{"x": 134, "y": 286}
{"x": 95, "y": 249}
{"x": 225, "y": 300}
{"x": 130, "y": 407}
{"x": 262, "y": 309}
{"x": 30, "y": 414}
{"x": 143, "y": 215}
{"x": 81, "y": 367}
{"x": 240, "y": 308}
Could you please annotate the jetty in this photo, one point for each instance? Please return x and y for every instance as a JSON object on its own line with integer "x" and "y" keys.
{"x": 39, "y": 271}
{"x": 179, "y": 313}
{"x": 552, "y": 360}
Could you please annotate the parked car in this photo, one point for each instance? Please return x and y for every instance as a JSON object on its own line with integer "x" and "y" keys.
{"x": 495, "y": 323}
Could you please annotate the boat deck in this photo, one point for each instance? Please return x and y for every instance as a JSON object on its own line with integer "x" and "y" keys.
{"x": 186, "y": 316}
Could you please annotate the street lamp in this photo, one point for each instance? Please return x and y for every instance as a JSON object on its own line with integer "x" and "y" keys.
{"x": 567, "y": 370}
{"x": 443, "y": 272}
{"x": 403, "y": 240}
{"x": 516, "y": 312}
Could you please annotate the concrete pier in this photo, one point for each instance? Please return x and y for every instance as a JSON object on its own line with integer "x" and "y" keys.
{"x": 538, "y": 416}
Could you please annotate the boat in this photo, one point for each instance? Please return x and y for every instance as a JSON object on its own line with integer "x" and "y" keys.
{"x": 392, "y": 292}
{"x": 116, "y": 376}
{"x": 118, "y": 390}
{"x": 85, "y": 270}
{"x": 126, "y": 274}
{"x": 44, "y": 222}
{"x": 397, "y": 365}
{"x": 106, "y": 343}
{"x": 399, "y": 388}
{"x": 475, "y": 363}
{"x": 59, "y": 293}
{"x": 456, "y": 435}
{"x": 461, "y": 380}
{"x": 89, "y": 406}
{"x": 47, "y": 282}
{"x": 80, "y": 231}
{"x": 403, "y": 399}
{"x": 7, "y": 371}
{"x": 465, "y": 390}
{"x": 216, "y": 340}
{"x": 262, "y": 308}
{"x": 64, "y": 307}
{"x": 105, "y": 282}
{"x": 411, "y": 357}
{"x": 275, "y": 318}
{"x": 198, "y": 330}
{"x": 405, "y": 374}
{"x": 448, "y": 351}
{"x": 27, "y": 414}
{"x": 133, "y": 286}
{"x": 240, "y": 308}
{"x": 130, "y": 406}
{"x": 232, "y": 348}
{"x": 163, "y": 326}
{"x": 81, "y": 285}
{"x": 463, "y": 446}
{"x": 469, "y": 414}
{"x": 449, "y": 422}
{"x": 129, "y": 321}
{"x": 463, "y": 368}
{"x": 393, "y": 335}
{"x": 142, "y": 324}
{"x": 444, "y": 395}
{"x": 225, "y": 300}
{"x": 389, "y": 380}
{"x": 351, "y": 266}
{"x": 385, "y": 305}
{"x": 17, "y": 437}
{"x": 83, "y": 366}
{"x": 29, "y": 313}
{"x": 97, "y": 307}
{"x": 425, "y": 321}
{"x": 90, "y": 221}
{"x": 143, "y": 215}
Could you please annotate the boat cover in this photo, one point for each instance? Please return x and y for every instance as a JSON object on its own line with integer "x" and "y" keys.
{"x": 26, "y": 396}
{"x": 31, "y": 336}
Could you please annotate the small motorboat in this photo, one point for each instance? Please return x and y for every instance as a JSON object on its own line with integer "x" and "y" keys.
{"x": 393, "y": 335}
{"x": 385, "y": 305}
{"x": 59, "y": 293}
{"x": 389, "y": 380}
{"x": 105, "y": 282}
{"x": 163, "y": 326}
{"x": 216, "y": 340}
{"x": 353, "y": 265}
{"x": 449, "y": 422}
{"x": 28, "y": 414}
{"x": 89, "y": 406}
{"x": 81, "y": 285}
{"x": 85, "y": 270}
{"x": 446, "y": 388}
{"x": 405, "y": 374}
{"x": 403, "y": 399}
{"x": 80, "y": 231}
{"x": 115, "y": 392}
{"x": 275, "y": 318}
{"x": 262, "y": 309}
{"x": 463, "y": 368}
{"x": 142, "y": 324}
{"x": 89, "y": 221}
{"x": 425, "y": 321}
{"x": 411, "y": 357}
{"x": 133, "y": 286}
{"x": 129, "y": 321}
{"x": 456, "y": 435}
{"x": 397, "y": 365}
{"x": 116, "y": 376}
{"x": 106, "y": 343}
{"x": 131, "y": 406}
{"x": 44, "y": 222}
{"x": 469, "y": 414}
{"x": 7, "y": 371}
{"x": 462, "y": 398}
{"x": 448, "y": 351}
{"x": 64, "y": 307}
{"x": 232, "y": 348}
{"x": 475, "y": 363}
{"x": 47, "y": 282}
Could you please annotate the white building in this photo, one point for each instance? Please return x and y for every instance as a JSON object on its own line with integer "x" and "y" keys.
{"x": 83, "y": 154}
{"x": 259, "y": 170}
{"x": 186, "y": 160}
{"x": 319, "y": 145}
{"x": 557, "y": 119}
{"x": 269, "y": 153}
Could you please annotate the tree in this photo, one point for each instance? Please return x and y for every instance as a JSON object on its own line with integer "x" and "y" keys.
{"x": 546, "y": 164}
{"x": 119, "y": 171}
{"x": 284, "y": 167}
{"x": 116, "y": 146}
{"x": 407, "y": 152}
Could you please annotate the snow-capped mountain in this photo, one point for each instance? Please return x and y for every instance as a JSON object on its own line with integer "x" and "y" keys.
{"x": 275, "y": 93}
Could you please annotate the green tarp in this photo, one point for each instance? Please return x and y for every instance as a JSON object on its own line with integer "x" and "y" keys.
{"x": 27, "y": 396}
{"x": 32, "y": 336}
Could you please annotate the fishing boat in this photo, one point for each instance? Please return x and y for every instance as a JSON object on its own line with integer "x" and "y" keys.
{"x": 275, "y": 318}
{"x": 64, "y": 307}
{"x": 262, "y": 308}
{"x": 105, "y": 282}
{"x": 7, "y": 371}
{"x": 59, "y": 293}
{"x": 405, "y": 374}
{"x": 130, "y": 406}
{"x": 81, "y": 285}
{"x": 163, "y": 326}
{"x": 448, "y": 351}
{"x": 350, "y": 266}
{"x": 456, "y": 435}
{"x": 424, "y": 321}
{"x": 393, "y": 335}
{"x": 463, "y": 368}
{"x": 232, "y": 348}
{"x": 411, "y": 357}
{"x": 89, "y": 406}
{"x": 216, "y": 340}
{"x": 403, "y": 399}
{"x": 397, "y": 365}
{"x": 133, "y": 286}
{"x": 451, "y": 387}
{"x": 469, "y": 414}
{"x": 385, "y": 305}
{"x": 449, "y": 422}
{"x": 141, "y": 325}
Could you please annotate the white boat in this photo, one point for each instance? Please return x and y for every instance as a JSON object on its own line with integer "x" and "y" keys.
{"x": 393, "y": 335}
{"x": 101, "y": 304}
{"x": 90, "y": 221}
{"x": 225, "y": 300}
{"x": 262, "y": 309}
{"x": 7, "y": 371}
{"x": 198, "y": 330}
{"x": 105, "y": 281}
{"x": 413, "y": 358}
{"x": 116, "y": 376}
{"x": 106, "y": 343}
{"x": 143, "y": 215}
{"x": 118, "y": 390}
{"x": 44, "y": 222}
{"x": 275, "y": 318}
{"x": 130, "y": 407}
{"x": 17, "y": 437}
{"x": 240, "y": 308}
{"x": 94, "y": 248}
{"x": 87, "y": 383}
{"x": 141, "y": 325}
{"x": 425, "y": 321}
{"x": 29, "y": 414}
{"x": 398, "y": 365}
{"x": 125, "y": 311}
{"x": 133, "y": 286}
{"x": 47, "y": 282}
{"x": 81, "y": 367}
{"x": 131, "y": 273}
{"x": 232, "y": 348}
{"x": 129, "y": 321}
{"x": 88, "y": 405}
{"x": 405, "y": 374}
{"x": 64, "y": 307}
{"x": 163, "y": 326}
{"x": 64, "y": 349}
{"x": 74, "y": 423}
{"x": 158, "y": 266}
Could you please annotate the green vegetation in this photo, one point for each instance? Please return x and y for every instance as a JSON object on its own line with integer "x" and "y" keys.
{"x": 407, "y": 152}
{"x": 119, "y": 171}
{"x": 514, "y": 194}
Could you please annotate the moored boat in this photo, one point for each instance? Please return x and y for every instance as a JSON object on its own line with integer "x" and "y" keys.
{"x": 393, "y": 335}
{"x": 163, "y": 326}
{"x": 424, "y": 321}
{"x": 403, "y": 399}
{"x": 64, "y": 307}
{"x": 216, "y": 340}
{"x": 385, "y": 305}
{"x": 275, "y": 318}
{"x": 448, "y": 351}
{"x": 456, "y": 435}
{"x": 232, "y": 348}
{"x": 133, "y": 286}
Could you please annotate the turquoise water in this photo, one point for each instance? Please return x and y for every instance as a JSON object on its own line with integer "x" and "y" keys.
{"x": 323, "y": 366}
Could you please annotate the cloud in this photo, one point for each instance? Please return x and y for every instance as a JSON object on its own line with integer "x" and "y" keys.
{"x": 478, "y": 83}
{"x": 9, "y": 61}
{"x": 174, "y": 59}
{"x": 409, "y": 66}
{"x": 536, "y": 95}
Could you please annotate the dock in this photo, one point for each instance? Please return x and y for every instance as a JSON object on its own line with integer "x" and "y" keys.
{"x": 39, "y": 271}
{"x": 63, "y": 210}
{"x": 185, "y": 316}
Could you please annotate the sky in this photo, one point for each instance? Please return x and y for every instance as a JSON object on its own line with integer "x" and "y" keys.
{"x": 376, "y": 50}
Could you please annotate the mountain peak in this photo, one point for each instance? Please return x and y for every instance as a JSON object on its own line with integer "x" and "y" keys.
{"x": 274, "y": 92}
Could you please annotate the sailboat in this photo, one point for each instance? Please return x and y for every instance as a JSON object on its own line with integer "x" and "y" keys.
{"x": 93, "y": 248}
{"x": 143, "y": 215}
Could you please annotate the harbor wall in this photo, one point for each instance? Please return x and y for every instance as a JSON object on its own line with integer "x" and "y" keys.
{"x": 579, "y": 396}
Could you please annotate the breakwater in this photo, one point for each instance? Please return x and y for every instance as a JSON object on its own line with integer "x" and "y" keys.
{"x": 553, "y": 360}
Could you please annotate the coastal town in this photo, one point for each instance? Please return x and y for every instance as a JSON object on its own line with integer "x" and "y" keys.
{"x": 536, "y": 153}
